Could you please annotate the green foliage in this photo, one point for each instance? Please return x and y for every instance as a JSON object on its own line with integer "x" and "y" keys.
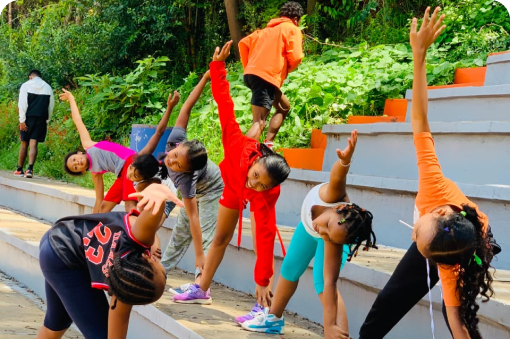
{"x": 118, "y": 101}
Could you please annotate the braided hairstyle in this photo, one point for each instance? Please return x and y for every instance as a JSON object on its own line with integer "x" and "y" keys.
{"x": 291, "y": 10}
{"x": 359, "y": 228}
{"x": 461, "y": 241}
{"x": 131, "y": 279}
{"x": 146, "y": 165}
{"x": 276, "y": 165}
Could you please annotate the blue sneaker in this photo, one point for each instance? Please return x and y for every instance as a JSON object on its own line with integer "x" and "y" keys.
{"x": 265, "y": 323}
{"x": 181, "y": 289}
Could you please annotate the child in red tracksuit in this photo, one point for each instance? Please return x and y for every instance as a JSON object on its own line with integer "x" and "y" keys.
{"x": 251, "y": 173}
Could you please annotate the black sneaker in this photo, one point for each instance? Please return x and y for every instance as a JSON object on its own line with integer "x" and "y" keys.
{"x": 29, "y": 173}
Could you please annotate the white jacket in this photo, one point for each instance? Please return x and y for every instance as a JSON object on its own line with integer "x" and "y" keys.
{"x": 35, "y": 100}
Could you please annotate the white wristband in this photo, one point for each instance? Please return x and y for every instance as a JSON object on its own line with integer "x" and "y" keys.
{"x": 349, "y": 164}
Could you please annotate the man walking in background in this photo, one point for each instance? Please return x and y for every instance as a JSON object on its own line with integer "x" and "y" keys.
{"x": 35, "y": 109}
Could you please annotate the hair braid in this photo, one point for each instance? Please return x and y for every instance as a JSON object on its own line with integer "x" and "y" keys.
{"x": 130, "y": 279}
{"x": 359, "y": 229}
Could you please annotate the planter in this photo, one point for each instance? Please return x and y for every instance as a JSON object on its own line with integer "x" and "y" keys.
{"x": 319, "y": 140}
{"x": 470, "y": 75}
{"x": 304, "y": 158}
{"x": 470, "y": 84}
{"x": 373, "y": 120}
{"x": 140, "y": 135}
{"x": 395, "y": 107}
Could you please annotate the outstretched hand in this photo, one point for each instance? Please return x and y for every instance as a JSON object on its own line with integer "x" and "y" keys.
{"x": 66, "y": 96}
{"x": 345, "y": 156}
{"x": 173, "y": 100}
{"x": 224, "y": 53}
{"x": 428, "y": 33}
{"x": 154, "y": 196}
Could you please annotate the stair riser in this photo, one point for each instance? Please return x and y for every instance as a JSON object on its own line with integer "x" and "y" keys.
{"x": 498, "y": 70}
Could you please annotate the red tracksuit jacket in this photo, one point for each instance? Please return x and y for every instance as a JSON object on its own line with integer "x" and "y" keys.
{"x": 240, "y": 152}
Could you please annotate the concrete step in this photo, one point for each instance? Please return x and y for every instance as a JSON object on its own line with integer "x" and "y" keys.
{"x": 454, "y": 103}
{"x": 359, "y": 283}
{"x": 22, "y": 312}
{"x": 391, "y": 200}
{"x": 469, "y": 152}
{"x": 498, "y": 69}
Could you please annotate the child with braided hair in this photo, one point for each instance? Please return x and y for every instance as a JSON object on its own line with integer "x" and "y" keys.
{"x": 451, "y": 232}
{"x": 85, "y": 255}
{"x": 329, "y": 223}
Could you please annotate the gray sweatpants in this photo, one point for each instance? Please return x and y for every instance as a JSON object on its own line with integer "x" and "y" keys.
{"x": 208, "y": 206}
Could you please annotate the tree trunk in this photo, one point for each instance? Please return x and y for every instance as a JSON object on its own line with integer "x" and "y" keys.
{"x": 10, "y": 15}
{"x": 234, "y": 26}
{"x": 310, "y": 11}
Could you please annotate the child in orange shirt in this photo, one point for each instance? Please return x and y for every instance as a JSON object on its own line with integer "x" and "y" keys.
{"x": 450, "y": 232}
{"x": 268, "y": 55}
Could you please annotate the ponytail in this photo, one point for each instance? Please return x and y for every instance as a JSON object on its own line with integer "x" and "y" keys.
{"x": 276, "y": 165}
{"x": 163, "y": 171}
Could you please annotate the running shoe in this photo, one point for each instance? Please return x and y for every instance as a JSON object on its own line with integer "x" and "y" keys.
{"x": 194, "y": 295}
{"x": 256, "y": 309}
{"x": 29, "y": 173}
{"x": 265, "y": 323}
{"x": 18, "y": 173}
{"x": 181, "y": 289}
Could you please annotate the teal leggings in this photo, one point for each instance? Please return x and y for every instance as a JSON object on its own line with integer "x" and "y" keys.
{"x": 302, "y": 249}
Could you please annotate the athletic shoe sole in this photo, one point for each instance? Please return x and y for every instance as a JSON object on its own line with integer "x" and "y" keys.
{"x": 268, "y": 330}
{"x": 19, "y": 175}
{"x": 195, "y": 301}
{"x": 28, "y": 175}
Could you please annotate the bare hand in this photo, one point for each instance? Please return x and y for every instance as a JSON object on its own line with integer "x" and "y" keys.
{"x": 428, "y": 33}
{"x": 23, "y": 127}
{"x": 264, "y": 295}
{"x": 66, "y": 96}
{"x": 156, "y": 253}
{"x": 345, "y": 156}
{"x": 200, "y": 262}
{"x": 154, "y": 196}
{"x": 224, "y": 53}
{"x": 172, "y": 101}
{"x": 335, "y": 332}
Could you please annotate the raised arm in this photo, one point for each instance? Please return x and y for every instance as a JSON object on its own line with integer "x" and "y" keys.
{"x": 336, "y": 188}
{"x": 182, "y": 120}
{"x": 152, "y": 206}
{"x": 420, "y": 42}
{"x": 86, "y": 141}
{"x": 160, "y": 130}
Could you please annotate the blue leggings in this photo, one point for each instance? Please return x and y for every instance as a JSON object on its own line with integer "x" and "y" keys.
{"x": 302, "y": 249}
{"x": 70, "y": 297}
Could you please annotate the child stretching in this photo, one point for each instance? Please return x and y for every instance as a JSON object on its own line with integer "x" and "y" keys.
{"x": 84, "y": 255}
{"x": 328, "y": 224}
{"x": 199, "y": 182}
{"x": 450, "y": 232}
{"x": 251, "y": 173}
{"x": 105, "y": 156}
{"x": 268, "y": 56}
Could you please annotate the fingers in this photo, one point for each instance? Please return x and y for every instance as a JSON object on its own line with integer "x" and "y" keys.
{"x": 434, "y": 16}
{"x": 216, "y": 52}
{"x": 439, "y": 22}
{"x": 414, "y": 24}
{"x": 438, "y": 33}
{"x": 426, "y": 17}
{"x": 157, "y": 205}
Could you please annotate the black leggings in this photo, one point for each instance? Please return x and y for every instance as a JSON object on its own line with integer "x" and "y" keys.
{"x": 406, "y": 287}
{"x": 70, "y": 297}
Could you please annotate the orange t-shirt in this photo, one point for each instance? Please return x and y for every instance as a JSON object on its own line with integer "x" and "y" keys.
{"x": 435, "y": 190}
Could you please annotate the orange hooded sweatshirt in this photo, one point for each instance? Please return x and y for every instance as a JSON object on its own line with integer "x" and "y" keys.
{"x": 273, "y": 52}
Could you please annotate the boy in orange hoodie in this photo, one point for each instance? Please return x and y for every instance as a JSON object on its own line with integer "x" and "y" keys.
{"x": 268, "y": 56}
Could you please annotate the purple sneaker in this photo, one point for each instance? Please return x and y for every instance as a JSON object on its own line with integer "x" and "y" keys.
{"x": 256, "y": 309}
{"x": 194, "y": 295}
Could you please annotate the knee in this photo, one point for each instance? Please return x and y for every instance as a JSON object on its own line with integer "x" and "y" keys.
{"x": 221, "y": 240}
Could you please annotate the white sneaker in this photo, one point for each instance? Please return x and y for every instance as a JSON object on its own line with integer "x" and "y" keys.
{"x": 265, "y": 323}
{"x": 179, "y": 290}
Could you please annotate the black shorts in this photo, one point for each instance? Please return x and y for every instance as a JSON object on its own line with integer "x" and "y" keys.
{"x": 262, "y": 92}
{"x": 37, "y": 128}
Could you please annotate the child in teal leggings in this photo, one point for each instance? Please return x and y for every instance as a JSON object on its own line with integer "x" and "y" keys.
{"x": 329, "y": 224}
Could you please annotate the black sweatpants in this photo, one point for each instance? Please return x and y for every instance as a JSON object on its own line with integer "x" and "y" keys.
{"x": 406, "y": 287}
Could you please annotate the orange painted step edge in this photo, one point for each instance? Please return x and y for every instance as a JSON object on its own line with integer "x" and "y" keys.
{"x": 395, "y": 107}
{"x": 373, "y": 120}
{"x": 304, "y": 158}
{"x": 470, "y": 75}
{"x": 471, "y": 84}
{"x": 318, "y": 140}
{"x": 498, "y": 53}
